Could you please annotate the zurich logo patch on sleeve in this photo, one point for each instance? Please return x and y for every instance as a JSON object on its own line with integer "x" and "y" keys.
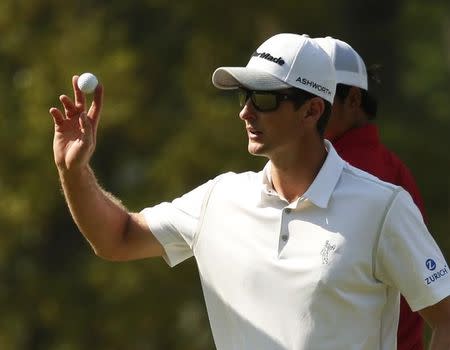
{"x": 431, "y": 265}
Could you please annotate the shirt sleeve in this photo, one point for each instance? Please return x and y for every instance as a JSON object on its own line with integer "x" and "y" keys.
{"x": 175, "y": 223}
{"x": 408, "y": 257}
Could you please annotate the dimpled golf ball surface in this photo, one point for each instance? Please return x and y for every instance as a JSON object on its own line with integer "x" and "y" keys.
{"x": 87, "y": 82}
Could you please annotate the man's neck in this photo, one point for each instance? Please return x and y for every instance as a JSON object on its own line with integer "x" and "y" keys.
{"x": 292, "y": 175}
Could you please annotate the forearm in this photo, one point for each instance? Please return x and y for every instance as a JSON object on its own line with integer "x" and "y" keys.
{"x": 100, "y": 217}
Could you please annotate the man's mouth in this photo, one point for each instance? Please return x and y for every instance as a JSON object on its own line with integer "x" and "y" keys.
{"x": 252, "y": 131}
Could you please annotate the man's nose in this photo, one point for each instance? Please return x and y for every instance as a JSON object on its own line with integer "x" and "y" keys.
{"x": 248, "y": 112}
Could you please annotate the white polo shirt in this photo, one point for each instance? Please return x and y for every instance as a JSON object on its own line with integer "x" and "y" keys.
{"x": 323, "y": 272}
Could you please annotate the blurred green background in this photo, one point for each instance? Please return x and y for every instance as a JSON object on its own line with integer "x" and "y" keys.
{"x": 166, "y": 129}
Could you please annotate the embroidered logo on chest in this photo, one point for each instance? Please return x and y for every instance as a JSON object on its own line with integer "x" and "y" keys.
{"x": 326, "y": 251}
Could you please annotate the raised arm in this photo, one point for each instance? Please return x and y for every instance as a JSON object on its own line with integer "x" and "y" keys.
{"x": 113, "y": 232}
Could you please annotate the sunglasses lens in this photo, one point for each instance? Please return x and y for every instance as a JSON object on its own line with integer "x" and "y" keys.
{"x": 243, "y": 97}
{"x": 264, "y": 102}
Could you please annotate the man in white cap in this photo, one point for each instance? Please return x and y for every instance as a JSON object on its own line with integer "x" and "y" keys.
{"x": 356, "y": 140}
{"x": 308, "y": 253}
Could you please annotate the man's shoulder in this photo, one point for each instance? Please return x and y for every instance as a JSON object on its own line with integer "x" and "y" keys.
{"x": 368, "y": 184}
{"x": 236, "y": 186}
{"x": 238, "y": 179}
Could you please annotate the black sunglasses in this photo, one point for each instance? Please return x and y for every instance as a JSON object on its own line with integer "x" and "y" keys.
{"x": 264, "y": 101}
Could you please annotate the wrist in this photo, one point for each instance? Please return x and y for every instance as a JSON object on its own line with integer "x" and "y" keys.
{"x": 73, "y": 173}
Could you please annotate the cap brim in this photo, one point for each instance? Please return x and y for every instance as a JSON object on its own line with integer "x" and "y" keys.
{"x": 253, "y": 79}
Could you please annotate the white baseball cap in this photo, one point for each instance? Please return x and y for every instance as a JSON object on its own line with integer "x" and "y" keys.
{"x": 283, "y": 61}
{"x": 349, "y": 66}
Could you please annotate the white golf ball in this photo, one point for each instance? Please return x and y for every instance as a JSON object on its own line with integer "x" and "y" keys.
{"x": 87, "y": 82}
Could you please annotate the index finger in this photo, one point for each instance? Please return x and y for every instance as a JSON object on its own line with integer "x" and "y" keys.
{"x": 80, "y": 99}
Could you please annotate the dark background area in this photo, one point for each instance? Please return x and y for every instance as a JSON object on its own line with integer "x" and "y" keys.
{"x": 164, "y": 130}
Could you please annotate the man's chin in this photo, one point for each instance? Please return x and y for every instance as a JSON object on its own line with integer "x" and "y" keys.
{"x": 256, "y": 150}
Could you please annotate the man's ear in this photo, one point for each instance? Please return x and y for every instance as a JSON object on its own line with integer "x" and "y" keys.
{"x": 315, "y": 108}
{"x": 354, "y": 97}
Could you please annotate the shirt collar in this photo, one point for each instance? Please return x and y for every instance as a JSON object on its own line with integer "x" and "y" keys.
{"x": 267, "y": 186}
{"x": 321, "y": 189}
{"x": 323, "y": 185}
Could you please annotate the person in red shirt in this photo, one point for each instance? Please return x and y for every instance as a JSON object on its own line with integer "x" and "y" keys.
{"x": 356, "y": 139}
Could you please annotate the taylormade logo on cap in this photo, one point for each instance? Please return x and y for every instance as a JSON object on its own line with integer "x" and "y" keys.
{"x": 283, "y": 61}
{"x": 269, "y": 57}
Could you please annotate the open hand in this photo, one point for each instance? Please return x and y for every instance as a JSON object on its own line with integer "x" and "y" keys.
{"x": 75, "y": 129}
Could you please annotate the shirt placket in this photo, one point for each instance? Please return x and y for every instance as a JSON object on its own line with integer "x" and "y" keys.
{"x": 287, "y": 214}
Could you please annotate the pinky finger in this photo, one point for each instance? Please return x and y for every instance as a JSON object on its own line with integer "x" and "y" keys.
{"x": 57, "y": 115}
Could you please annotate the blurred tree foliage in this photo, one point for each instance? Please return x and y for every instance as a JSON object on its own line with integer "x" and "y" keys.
{"x": 164, "y": 130}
